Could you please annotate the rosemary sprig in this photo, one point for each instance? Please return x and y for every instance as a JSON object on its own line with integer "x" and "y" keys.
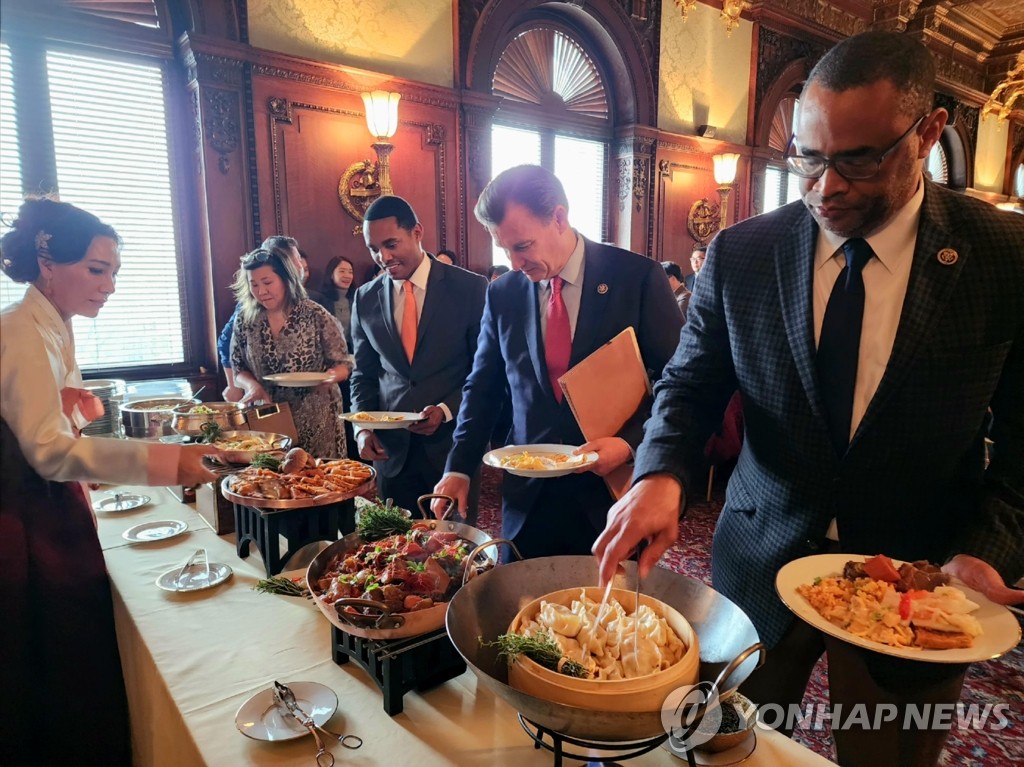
{"x": 279, "y": 584}
{"x": 540, "y": 648}
{"x": 210, "y": 431}
{"x": 265, "y": 461}
{"x": 379, "y": 521}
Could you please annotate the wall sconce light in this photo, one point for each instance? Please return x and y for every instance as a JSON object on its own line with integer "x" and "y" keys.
{"x": 731, "y": 10}
{"x": 725, "y": 174}
{"x": 365, "y": 181}
{"x": 685, "y": 6}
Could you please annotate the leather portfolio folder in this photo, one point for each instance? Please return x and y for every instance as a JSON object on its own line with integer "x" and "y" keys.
{"x": 604, "y": 391}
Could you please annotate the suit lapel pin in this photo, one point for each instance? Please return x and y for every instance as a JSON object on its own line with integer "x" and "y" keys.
{"x": 602, "y": 288}
{"x": 947, "y": 256}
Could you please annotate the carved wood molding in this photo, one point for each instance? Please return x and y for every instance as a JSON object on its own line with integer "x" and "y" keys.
{"x": 282, "y": 112}
{"x": 222, "y": 124}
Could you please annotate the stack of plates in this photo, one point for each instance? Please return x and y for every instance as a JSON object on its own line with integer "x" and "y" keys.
{"x": 171, "y": 387}
{"x": 111, "y": 392}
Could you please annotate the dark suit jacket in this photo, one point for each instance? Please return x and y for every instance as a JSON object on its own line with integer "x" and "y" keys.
{"x": 384, "y": 379}
{"x": 912, "y": 483}
{"x": 620, "y": 289}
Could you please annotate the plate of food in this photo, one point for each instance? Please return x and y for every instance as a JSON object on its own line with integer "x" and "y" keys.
{"x": 263, "y": 718}
{"x": 381, "y": 419}
{"x": 244, "y": 446}
{"x": 299, "y": 481}
{"x": 909, "y": 610}
{"x": 539, "y": 460}
{"x": 298, "y": 380}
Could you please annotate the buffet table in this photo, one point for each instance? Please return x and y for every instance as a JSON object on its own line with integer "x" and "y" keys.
{"x": 192, "y": 659}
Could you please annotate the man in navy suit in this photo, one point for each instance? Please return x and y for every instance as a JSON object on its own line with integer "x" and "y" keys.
{"x": 897, "y": 467}
{"x": 414, "y": 332}
{"x": 566, "y": 298}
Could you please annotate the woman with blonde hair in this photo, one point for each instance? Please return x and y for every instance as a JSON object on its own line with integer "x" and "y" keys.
{"x": 58, "y": 643}
{"x": 280, "y": 330}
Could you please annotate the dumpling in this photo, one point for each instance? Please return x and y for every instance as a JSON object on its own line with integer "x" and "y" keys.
{"x": 560, "y": 619}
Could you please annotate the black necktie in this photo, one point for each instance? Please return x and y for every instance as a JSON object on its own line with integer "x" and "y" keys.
{"x": 839, "y": 344}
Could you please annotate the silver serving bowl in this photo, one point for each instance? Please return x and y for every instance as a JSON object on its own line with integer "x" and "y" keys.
{"x": 151, "y": 418}
{"x": 229, "y": 416}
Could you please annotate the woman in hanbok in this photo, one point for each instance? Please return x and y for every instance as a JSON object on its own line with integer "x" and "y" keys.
{"x": 63, "y": 699}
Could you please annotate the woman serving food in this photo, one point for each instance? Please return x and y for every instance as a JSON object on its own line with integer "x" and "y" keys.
{"x": 55, "y": 580}
{"x": 280, "y": 330}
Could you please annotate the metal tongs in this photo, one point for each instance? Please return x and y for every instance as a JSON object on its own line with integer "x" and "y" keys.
{"x": 324, "y": 758}
{"x": 198, "y": 557}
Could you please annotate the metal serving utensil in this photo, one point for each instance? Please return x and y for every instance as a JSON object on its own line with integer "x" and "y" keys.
{"x": 198, "y": 555}
{"x": 284, "y": 694}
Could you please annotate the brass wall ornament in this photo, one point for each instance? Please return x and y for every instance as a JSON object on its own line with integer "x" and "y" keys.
{"x": 365, "y": 181}
{"x": 703, "y": 220}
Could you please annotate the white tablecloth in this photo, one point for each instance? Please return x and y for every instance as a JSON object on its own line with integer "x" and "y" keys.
{"x": 191, "y": 660}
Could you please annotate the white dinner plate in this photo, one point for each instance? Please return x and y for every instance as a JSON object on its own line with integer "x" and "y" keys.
{"x": 261, "y": 718}
{"x": 381, "y": 419}
{"x": 297, "y": 379}
{"x": 154, "y": 531}
{"x": 496, "y": 458}
{"x": 120, "y": 502}
{"x": 1001, "y": 632}
{"x": 195, "y": 577}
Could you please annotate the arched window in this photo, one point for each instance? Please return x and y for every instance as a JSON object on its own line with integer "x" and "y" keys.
{"x": 780, "y": 186}
{"x": 555, "y": 114}
{"x": 937, "y": 166}
{"x": 1018, "y": 181}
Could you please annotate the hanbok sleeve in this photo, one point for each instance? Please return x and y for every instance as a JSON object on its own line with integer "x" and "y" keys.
{"x": 32, "y": 375}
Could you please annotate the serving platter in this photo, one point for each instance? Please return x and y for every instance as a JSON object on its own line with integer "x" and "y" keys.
{"x": 155, "y": 531}
{"x": 1001, "y": 632}
{"x": 499, "y": 458}
{"x": 262, "y": 718}
{"x": 271, "y": 504}
{"x": 298, "y": 380}
{"x": 381, "y": 419}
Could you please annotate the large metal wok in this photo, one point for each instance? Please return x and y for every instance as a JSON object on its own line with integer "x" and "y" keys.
{"x": 485, "y": 607}
{"x": 383, "y": 623}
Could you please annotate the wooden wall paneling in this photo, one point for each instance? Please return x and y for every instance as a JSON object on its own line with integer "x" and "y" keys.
{"x": 685, "y": 176}
{"x": 476, "y": 117}
{"x": 216, "y": 92}
{"x": 307, "y": 137}
{"x": 631, "y": 220}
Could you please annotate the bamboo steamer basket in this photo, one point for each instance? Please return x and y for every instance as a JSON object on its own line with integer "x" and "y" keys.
{"x": 641, "y": 694}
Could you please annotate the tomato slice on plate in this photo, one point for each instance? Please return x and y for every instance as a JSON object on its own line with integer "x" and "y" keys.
{"x": 881, "y": 568}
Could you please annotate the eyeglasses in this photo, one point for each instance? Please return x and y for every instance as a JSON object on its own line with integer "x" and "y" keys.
{"x": 850, "y": 168}
{"x": 258, "y": 256}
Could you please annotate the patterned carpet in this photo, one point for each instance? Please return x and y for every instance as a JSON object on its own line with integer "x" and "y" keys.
{"x": 999, "y": 681}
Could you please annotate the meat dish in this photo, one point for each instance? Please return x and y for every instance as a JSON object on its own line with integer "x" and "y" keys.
{"x": 408, "y": 572}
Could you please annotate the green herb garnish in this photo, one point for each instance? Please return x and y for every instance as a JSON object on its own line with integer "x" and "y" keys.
{"x": 379, "y": 521}
{"x": 540, "y": 648}
{"x": 265, "y": 461}
{"x": 283, "y": 586}
{"x": 210, "y": 432}
{"x": 416, "y": 567}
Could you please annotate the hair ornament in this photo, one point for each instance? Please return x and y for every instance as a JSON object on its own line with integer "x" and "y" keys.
{"x": 43, "y": 242}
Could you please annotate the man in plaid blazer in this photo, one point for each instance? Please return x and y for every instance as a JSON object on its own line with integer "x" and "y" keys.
{"x": 942, "y": 341}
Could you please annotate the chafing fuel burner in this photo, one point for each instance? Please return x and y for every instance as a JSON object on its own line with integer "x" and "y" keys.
{"x": 400, "y": 665}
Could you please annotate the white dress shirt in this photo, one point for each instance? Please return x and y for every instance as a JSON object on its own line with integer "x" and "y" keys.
{"x": 37, "y": 361}
{"x": 572, "y": 290}
{"x": 885, "y": 286}
{"x": 419, "y": 280}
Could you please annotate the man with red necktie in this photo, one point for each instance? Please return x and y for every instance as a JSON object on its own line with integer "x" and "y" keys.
{"x": 566, "y": 297}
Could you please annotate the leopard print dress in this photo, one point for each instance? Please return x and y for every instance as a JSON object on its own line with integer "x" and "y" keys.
{"x": 311, "y": 340}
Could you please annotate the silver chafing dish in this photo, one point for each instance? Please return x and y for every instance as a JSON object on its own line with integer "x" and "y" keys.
{"x": 228, "y": 416}
{"x": 151, "y": 418}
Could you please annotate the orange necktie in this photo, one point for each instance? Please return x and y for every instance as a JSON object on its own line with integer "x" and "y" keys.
{"x": 409, "y": 321}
